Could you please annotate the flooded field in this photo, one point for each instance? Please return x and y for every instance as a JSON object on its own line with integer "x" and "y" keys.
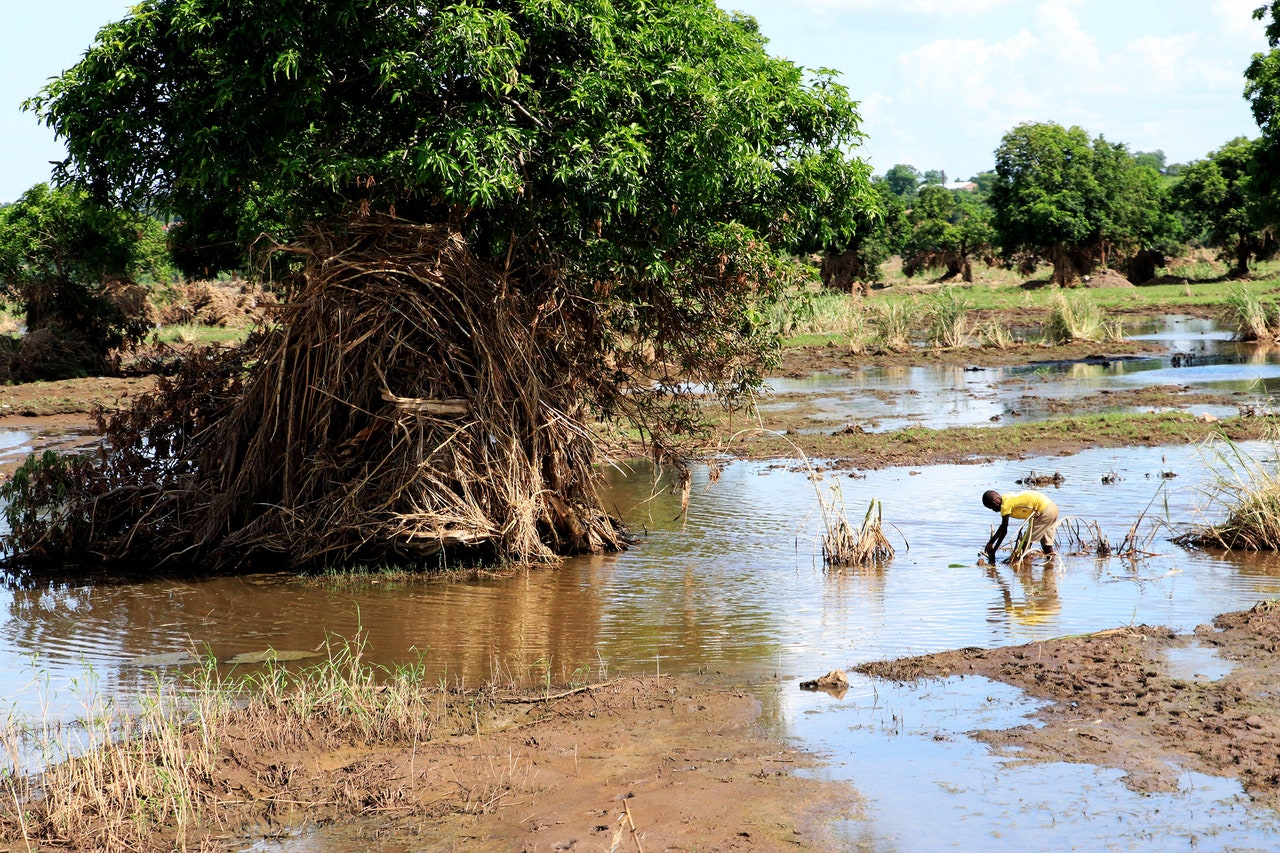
{"x": 736, "y": 590}
{"x": 1200, "y": 356}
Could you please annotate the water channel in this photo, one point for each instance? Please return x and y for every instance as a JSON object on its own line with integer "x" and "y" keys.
{"x": 736, "y": 589}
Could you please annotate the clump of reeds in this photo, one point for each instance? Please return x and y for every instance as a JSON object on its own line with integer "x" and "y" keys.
{"x": 1087, "y": 539}
{"x": 891, "y": 324}
{"x": 1079, "y": 318}
{"x": 842, "y": 546}
{"x": 1248, "y": 316}
{"x": 1246, "y": 492}
{"x": 949, "y": 324}
{"x": 995, "y": 334}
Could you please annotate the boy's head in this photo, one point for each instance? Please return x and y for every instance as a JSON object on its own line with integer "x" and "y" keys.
{"x": 991, "y": 500}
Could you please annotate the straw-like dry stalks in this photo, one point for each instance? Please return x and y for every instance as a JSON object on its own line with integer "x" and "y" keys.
{"x": 208, "y": 752}
{"x": 1087, "y": 539}
{"x": 844, "y": 547}
{"x": 407, "y": 404}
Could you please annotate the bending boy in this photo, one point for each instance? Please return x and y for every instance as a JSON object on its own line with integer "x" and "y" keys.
{"x": 1033, "y": 505}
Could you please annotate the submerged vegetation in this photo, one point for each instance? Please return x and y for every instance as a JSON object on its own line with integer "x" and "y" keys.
{"x": 844, "y": 547}
{"x": 1245, "y": 493}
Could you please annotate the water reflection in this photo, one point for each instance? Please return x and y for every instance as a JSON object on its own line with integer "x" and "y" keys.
{"x": 1200, "y": 356}
{"x": 1035, "y": 601}
{"x": 736, "y": 587}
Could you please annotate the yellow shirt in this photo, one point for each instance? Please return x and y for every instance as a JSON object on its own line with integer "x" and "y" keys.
{"x": 1024, "y": 504}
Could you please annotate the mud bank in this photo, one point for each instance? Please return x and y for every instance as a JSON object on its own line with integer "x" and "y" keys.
{"x": 1120, "y": 698}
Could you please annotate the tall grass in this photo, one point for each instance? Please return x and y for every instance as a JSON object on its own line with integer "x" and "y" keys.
{"x": 995, "y": 334}
{"x": 149, "y": 778}
{"x": 1079, "y": 318}
{"x": 949, "y": 324}
{"x": 1249, "y": 318}
{"x": 1245, "y": 493}
{"x": 890, "y": 325}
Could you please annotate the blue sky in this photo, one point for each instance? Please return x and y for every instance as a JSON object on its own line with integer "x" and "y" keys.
{"x": 940, "y": 81}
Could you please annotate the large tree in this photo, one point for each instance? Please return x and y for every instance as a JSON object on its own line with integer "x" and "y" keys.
{"x": 852, "y": 260}
{"x": 947, "y": 230}
{"x": 1073, "y": 201}
{"x": 1217, "y": 198}
{"x": 502, "y": 218}
{"x": 66, "y": 263}
{"x": 1262, "y": 90}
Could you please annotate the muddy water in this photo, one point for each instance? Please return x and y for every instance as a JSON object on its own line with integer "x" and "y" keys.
{"x": 737, "y": 587}
{"x": 1201, "y": 356}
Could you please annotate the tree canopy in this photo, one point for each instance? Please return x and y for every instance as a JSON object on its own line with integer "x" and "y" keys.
{"x": 948, "y": 229}
{"x": 1075, "y": 202}
{"x": 606, "y": 133}
{"x": 609, "y": 186}
{"x": 62, "y": 259}
{"x": 1216, "y": 197}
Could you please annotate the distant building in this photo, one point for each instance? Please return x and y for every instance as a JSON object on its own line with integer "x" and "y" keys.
{"x": 967, "y": 186}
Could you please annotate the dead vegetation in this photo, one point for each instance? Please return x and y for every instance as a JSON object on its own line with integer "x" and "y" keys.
{"x": 1244, "y": 495}
{"x": 407, "y": 403}
{"x": 844, "y": 547}
{"x": 1087, "y": 539}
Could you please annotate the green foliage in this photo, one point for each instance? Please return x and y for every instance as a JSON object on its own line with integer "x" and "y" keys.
{"x": 647, "y": 159}
{"x": 948, "y": 229}
{"x": 903, "y": 180}
{"x": 1217, "y": 198}
{"x": 575, "y": 129}
{"x": 876, "y": 236}
{"x": 1074, "y": 201}
{"x": 35, "y": 503}
{"x": 60, "y": 254}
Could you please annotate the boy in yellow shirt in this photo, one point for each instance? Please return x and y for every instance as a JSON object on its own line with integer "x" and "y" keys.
{"x": 1042, "y": 512}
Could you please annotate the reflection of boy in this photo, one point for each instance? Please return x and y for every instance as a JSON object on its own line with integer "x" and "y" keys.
{"x": 1042, "y": 512}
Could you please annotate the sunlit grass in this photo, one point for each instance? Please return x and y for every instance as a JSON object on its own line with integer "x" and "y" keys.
{"x": 1078, "y": 317}
{"x": 149, "y": 778}
{"x": 192, "y": 333}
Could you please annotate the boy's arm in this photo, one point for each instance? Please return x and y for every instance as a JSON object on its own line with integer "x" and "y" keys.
{"x": 996, "y": 538}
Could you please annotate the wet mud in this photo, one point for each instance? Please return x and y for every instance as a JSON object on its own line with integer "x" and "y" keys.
{"x": 1118, "y": 699}
{"x": 642, "y": 763}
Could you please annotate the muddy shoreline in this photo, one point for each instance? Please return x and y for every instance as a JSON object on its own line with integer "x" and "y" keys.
{"x": 1114, "y": 702}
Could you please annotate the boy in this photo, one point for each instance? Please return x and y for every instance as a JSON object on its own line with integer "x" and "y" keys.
{"x": 1042, "y": 512}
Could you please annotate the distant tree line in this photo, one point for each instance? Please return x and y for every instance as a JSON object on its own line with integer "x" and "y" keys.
{"x": 1059, "y": 197}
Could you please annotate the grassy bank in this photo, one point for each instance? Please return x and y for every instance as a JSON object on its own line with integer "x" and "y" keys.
{"x": 205, "y": 755}
{"x": 947, "y": 314}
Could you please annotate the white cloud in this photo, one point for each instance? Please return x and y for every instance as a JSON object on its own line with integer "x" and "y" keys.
{"x": 949, "y": 8}
{"x": 1235, "y": 18}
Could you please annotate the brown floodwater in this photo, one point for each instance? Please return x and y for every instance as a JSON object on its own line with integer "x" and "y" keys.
{"x": 737, "y": 587}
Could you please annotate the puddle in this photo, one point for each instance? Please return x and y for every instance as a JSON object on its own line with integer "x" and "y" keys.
{"x": 930, "y": 787}
{"x": 1197, "y": 663}
{"x": 737, "y": 587}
